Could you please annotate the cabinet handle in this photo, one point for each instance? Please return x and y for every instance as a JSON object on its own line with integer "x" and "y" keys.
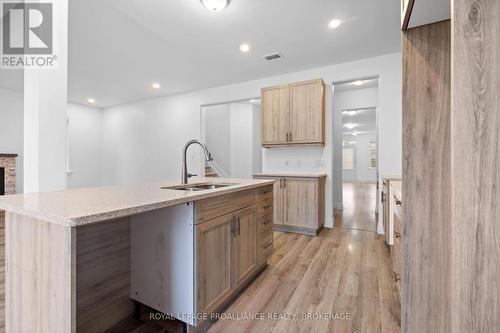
{"x": 233, "y": 225}
{"x": 267, "y": 222}
{"x": 267, "y": 245}
{"x": 398, "y": 202}
{"x": 397, "y": 277}
{"x": 287, "y": 137}
{"x": 383, "y": 197}
{"x": 238, "y": 217}
{"x": 397, "y": 234}
{"x": 291, "y": 140}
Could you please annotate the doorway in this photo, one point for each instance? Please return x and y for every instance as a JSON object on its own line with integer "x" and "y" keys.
{"x": 356, "y": 103}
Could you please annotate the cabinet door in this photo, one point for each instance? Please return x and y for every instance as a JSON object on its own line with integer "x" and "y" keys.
{"x": 214, "y": 241}
{"x": 278, "y": 217}
{"x": 301, "y": 202}
{"x": 275, "y": 117}
{"x": 244, "y": 238}
{"x": 307, "y": 112}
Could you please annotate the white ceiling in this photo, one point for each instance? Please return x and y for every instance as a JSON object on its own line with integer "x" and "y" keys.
{"x": 118, "y": 48}
{"x": 365, "y": 119}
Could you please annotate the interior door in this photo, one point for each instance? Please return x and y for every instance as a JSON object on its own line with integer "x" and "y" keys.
{"x": 275, "y": 116}
{"x": 244, "y": 238}
{"x": 300, "y": 202}
{"x": 214, "y": 241}
{"x": 307, "y": 112}
{"x": 349, "y": 163}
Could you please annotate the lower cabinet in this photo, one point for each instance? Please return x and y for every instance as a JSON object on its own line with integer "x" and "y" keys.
{"x": 299, "y": 203}
{"x": 229, "y": 249}
{"x": 214, "y": 262}
{"x": 244, "y": 243}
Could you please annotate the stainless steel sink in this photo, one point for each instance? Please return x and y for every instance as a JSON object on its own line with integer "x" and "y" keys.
{"x": 198, "y": 187}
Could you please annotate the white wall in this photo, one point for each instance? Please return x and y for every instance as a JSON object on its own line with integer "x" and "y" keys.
{"x": 218, "y": 137}
{"x": 232, "y": 135}
{"x": 11, "y": 129}
{"x": 85, "y": 139}
{"x": 143, "y": 140}
{"x": 85, "y": 146}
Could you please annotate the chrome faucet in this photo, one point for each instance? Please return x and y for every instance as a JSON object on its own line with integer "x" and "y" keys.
{"x": 185, "y": 173}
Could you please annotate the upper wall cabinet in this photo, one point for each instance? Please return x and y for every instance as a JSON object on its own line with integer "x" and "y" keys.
{"x": 294, "y": 114}
{"x": 415, "y": 13}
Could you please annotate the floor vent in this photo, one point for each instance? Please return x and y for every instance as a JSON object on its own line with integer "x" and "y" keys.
{"x": 273, "y": 56}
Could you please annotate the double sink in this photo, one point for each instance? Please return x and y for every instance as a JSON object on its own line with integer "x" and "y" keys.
{"x": 198, "y": 187}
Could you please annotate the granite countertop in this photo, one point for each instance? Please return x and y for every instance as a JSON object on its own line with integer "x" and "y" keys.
{"x": 291, "y": 174}
{"x": 88, "y": 205}
{"x": 398, "y": 191}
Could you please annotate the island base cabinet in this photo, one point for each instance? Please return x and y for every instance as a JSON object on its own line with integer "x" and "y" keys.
{"x": 244, "y": 241}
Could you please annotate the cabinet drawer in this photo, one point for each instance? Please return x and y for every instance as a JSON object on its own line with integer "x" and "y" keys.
{"x": 265, "y": 193}
{"x": 264, "y": 245}
{"x": 264, "y": 223}
{"x": 265, "y": 208}
{"x": 210, "y": 208}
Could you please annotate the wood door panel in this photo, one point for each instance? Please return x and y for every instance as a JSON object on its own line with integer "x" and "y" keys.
{"x": 307, "y": 112}
{"x": 275, "y": 111}
{"x": 245, "y": 245}
{"x": 300, "y": 202}
{"x": 214, "y": 262}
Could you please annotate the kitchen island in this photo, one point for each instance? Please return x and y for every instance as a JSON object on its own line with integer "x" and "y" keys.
{"x": 77, "y": 259}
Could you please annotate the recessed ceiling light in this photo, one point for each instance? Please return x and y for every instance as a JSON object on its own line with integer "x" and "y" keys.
{"x": 215, "y": 5}
{"x": 254, "y": 100}
{"x": 359, "y": 83}
{"x": 244, "y": 48}
{"x": 334, "y": 24}
{"x": 156, "y": 85}
{"x": 350, "y": 113}
{"x": 354, "y": 133}
{"x": 350, "y": 125}
{"x": 91, "y": 100}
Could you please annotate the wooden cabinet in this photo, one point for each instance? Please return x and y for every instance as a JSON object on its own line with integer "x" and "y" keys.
{"x": 293, "y": 114}
{"x": 275, "y": 106}
{"x": 244, "y": 241}
{"x": 229, "y": 244}
{"x": 299, "y": 203}
{"x": 397, "y": 261}
{"x": 214, "y": 262}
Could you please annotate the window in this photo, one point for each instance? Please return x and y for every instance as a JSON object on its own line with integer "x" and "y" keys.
{"x": 348, "y": 158}
{"x": 373, "y": 154}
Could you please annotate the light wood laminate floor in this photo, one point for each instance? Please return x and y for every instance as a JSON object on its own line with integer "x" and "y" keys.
{"x": 340, "y": 271}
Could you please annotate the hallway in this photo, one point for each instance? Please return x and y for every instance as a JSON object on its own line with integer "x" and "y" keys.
{"x": 360, "y": 200}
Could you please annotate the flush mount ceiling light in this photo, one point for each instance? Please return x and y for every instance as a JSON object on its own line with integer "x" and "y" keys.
{"x": 244, "y": 48}
{"x": 334, "y": 24}
{"x": 354, "y": 133}
{"x": 350, "y": 125}
{"x": 91, "y": 100}
{"x": 359, "y": 83}
{"x": 350, "y": 113}
{"x": 156, "y": 85}
{"x": 215, "y": 5}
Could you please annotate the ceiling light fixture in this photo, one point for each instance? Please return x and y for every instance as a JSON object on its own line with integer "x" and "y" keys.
{"x": 334, "y": 24}
{"x": 91, "y": 100}
{"x": 359, "y": 83}
{"x": 350, "y": 113}
{"x": 350, "y": 125}
{"x": 354, "y": 133}
{"x": 215, "y": 5}
{"x": 156, "y": 85}
{"x": 244, "y": 48}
